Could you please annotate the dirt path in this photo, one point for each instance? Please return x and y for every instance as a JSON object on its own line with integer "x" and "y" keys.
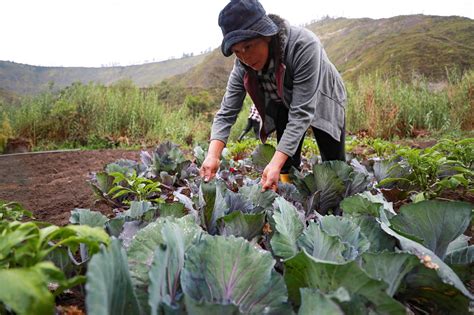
{"x": 52, "y": 184}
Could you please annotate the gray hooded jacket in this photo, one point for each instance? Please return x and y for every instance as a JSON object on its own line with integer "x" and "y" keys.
{"x": 312, "y": 90}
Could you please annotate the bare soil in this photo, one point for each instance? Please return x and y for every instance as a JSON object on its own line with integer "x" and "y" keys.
{"x": 52, "y": 184}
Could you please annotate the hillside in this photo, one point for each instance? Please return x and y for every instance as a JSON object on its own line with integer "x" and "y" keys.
{"x": 212, "y": 73}
{"x": 400, "y": 45}
{"x": 422, "y": 44}
{"x": 26, "y": 79}
{"x": 8, "y": 96}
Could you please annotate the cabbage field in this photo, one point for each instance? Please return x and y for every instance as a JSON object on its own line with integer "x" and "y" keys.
{"x": 387, "y": 232}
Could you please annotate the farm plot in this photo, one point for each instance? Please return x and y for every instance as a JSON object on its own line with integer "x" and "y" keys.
{"x": 330, "y": 241}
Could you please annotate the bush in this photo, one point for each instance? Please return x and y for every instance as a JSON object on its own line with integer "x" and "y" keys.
{"x": 198, "y": 104}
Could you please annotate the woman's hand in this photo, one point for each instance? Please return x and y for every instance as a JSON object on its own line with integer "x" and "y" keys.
{"x": 270, "y": 177}
{"x": 211, "y": 163}
{"x": 271, "y": 173}
{"x": 209, "y": 168}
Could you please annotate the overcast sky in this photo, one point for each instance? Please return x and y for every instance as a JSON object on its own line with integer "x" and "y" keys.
{"x": 93, "y": 33}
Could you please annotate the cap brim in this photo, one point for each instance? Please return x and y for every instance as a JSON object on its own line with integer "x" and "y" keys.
{"x": 263, "y": 27}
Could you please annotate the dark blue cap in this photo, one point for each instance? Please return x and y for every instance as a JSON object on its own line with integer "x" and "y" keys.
{"x": 242, "y": 20}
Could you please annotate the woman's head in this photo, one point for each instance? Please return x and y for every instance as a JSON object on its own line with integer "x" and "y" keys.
{"x": 245, "y": 22}
{"x": 253, "y": 52}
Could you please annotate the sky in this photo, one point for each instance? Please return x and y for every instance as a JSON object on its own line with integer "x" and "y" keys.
{"x": 96, "y": 33}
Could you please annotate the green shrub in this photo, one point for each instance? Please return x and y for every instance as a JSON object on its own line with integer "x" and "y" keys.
{"x": 198, "y": 104}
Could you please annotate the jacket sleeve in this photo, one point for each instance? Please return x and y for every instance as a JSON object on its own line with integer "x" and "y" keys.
{"x": 230, "y": 106}
{"x": 305, "y": 60}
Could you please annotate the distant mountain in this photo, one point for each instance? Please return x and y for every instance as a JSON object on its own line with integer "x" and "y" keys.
{"x": 26, "y": 79}
{"x": 401, "y": 45}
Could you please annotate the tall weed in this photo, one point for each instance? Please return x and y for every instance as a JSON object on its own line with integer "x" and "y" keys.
{"x": 387, "y": 107}
{"x": 94, "y": 115}
{"x": 80, "y": 114}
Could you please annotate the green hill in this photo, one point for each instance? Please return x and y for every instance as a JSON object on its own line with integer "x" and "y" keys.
{"x": 212, "y": 73}
{"x": 26, "y": 79}
{"x": 402, "y": 46}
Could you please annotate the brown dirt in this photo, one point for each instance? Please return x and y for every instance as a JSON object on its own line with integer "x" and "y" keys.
{"x": 52, "y": 184}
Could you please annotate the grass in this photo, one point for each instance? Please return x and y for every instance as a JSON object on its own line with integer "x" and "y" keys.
{"x": 124, "y": 115}
{"x": 98, "y": 116}
{"x": 389, "y": 107}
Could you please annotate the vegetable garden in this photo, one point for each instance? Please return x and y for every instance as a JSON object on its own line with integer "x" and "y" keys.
{"x": 385, "y": 233}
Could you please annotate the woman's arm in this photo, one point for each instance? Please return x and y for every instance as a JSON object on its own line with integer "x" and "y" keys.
{"x": 223, "y": 120}
{"x": 230, "y": 106}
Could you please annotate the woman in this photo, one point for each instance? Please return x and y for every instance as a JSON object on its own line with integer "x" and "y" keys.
{"x": 292, "y": 83}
